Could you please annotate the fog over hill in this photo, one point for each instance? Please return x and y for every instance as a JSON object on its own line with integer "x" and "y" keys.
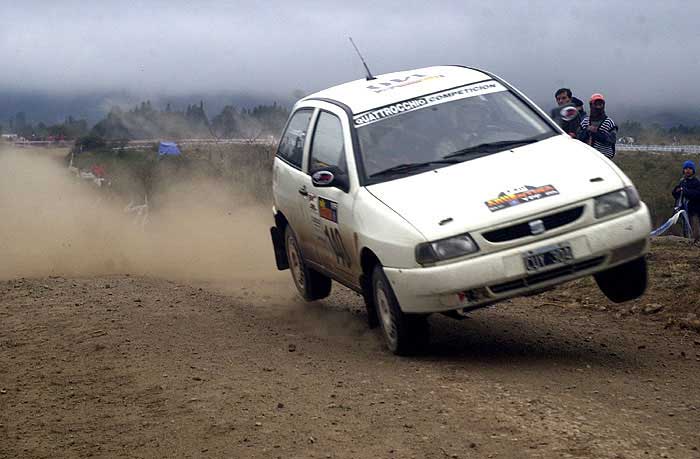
{"x": 43, "y": 106}
{"x": 638, "y": 53}
{"x": 54, "y": 108}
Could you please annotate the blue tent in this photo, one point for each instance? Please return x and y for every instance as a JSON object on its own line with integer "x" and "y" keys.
{"x": 168, "y": 149}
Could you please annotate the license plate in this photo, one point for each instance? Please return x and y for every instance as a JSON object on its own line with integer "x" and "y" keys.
{"x": 547, "y": 257}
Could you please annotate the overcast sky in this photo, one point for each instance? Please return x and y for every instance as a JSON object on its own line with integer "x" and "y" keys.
{"x": 632, "y": 51}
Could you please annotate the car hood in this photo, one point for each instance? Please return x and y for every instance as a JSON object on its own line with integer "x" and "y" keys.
{"x": 494, "y": 189}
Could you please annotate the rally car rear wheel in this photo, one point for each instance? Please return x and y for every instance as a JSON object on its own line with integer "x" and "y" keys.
{"x": 404, "y": 334}
{"x": 311, "y": 284}
{"x": 624, "y": 282}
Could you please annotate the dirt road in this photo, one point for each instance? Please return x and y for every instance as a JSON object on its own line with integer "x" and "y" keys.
{"x": 203, "y": 350}
{"x": 139, "y": 367}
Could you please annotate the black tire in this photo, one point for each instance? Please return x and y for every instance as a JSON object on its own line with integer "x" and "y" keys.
{"x": 404, "y": 334}
{"x": 311, "y": 284}
{"x": 624, "y": 282}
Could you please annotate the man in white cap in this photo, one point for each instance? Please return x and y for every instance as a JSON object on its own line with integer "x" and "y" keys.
{"x": 598, "y": 129}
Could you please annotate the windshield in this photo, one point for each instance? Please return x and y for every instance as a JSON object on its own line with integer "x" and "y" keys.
{"x": 438, "y": 130}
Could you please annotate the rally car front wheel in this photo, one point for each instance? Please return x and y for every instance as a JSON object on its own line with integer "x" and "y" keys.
{"x": 624, "y": 282}
{"x": 311, "y": 284}
{"x": 404, "y": 334}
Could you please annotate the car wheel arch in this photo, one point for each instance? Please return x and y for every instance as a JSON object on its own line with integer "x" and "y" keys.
{"x": 281, "y": 221}
{"x": 278, "y": 241}
{"x": 368, "y": 260}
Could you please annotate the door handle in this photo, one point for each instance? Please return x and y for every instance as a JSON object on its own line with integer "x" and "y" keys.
{"x": 302, "y": 191}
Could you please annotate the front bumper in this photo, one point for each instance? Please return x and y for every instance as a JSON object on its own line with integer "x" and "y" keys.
{"x": 499, "y": 275}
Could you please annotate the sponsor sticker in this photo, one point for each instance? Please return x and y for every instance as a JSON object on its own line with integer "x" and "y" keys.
{"x": 383, "y": 86}
{"x": 328, "y": 209}
{"x": 519, "y": 196}
{"x": 463, "y": 92}
{"x": 342, "y": 258}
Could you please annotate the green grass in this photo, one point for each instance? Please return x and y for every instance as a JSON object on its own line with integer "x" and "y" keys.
{"x": 249, "y": 168}
{"x": 246, "y": 168}
{"x": 655, "y": 176}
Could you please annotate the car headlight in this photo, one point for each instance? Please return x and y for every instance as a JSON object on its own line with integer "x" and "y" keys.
{"x": 617, "y": 201}
{"x": 444, "y": 249}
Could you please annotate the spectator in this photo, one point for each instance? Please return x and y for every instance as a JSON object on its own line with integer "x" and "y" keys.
{"x": 98, "y": 171}
{"x": 578, "y": 103}
{"x": 563, "y": 96}
{"x": 688, "y": 192}
{"x": 598, "y": 129}
{"x": 566, "y": 115}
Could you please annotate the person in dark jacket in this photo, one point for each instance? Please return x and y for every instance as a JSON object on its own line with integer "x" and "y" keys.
{"x": 566, "y": 115}
{"x": 688, "y": 191}
{"x": 598, "y": 129}
{"x": 578, "y": 103}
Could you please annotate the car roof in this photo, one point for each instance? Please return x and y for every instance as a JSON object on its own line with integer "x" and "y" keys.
{"x": 362, "y": 95}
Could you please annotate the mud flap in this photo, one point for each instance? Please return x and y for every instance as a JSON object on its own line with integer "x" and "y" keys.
{"x": 368, "y": 296}
{"x": 279, "y": 248}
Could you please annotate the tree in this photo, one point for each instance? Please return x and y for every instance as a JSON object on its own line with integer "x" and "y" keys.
{"x": 20, "y": 121}
{"x": 70, "y": 129}
{"x": 225, "y": 124}
{"x": 90, "y": 142}
{"x": 112, "y": 127}
{"x": 41, "y": 131}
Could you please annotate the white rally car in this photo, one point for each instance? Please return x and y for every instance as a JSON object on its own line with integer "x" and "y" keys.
{"x": 444, "y": 189}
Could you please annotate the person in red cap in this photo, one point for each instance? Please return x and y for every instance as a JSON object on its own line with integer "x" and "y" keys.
{"x": 598, "y": 129}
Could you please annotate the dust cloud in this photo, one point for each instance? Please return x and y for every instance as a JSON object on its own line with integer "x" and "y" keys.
{"x": 54, "y": 224}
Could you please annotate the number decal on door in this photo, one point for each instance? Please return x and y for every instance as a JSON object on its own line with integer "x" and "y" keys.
{"x": 341, "y": 255}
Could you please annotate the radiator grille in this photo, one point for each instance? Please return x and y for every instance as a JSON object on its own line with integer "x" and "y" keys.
{"x": 551, "y": 221}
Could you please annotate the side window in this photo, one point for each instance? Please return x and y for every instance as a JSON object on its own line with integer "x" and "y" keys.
{"x": 327, "y": 145}
{"x": 291, "y": 147}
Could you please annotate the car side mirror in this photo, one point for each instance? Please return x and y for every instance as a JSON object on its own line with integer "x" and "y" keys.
{"x": 330, "y": 177}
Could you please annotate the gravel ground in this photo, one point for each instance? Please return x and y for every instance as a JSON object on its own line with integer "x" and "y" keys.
{"x": 203, "y": 350}
{"x": 127, "y": 366}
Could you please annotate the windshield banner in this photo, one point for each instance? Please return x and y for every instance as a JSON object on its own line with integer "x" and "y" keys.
{"x": 388, "y": 111}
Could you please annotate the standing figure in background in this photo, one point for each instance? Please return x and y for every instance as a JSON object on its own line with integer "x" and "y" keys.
{"x": 688, "y": 193}
{"x": 565, "y": 114}
{"x": 598, "y": 129}
{"x": 578, "y": 103}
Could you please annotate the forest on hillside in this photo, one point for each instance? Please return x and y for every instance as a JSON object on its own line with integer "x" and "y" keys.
{"x": 145, "y": 122}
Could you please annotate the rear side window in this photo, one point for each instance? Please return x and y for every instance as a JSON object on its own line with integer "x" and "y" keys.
{"x": 291, "y": 147}
{"x": 327, "y": 146}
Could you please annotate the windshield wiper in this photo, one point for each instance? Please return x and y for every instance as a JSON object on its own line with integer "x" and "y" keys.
{"x": 407, "y": 167}
{"x": 490, "y": 147}
{"x": 480, "y": 150}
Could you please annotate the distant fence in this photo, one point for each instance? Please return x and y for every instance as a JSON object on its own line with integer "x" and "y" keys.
{"x": 690, "y": 149}
{"x": 141, "y": 144}
{"x": 43, "y": 143}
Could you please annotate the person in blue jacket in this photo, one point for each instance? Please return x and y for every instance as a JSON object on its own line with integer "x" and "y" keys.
{"x": 688, "y": 192}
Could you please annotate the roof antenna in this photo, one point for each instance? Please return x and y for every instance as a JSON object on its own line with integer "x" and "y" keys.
{"x": 369, "y": 74}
